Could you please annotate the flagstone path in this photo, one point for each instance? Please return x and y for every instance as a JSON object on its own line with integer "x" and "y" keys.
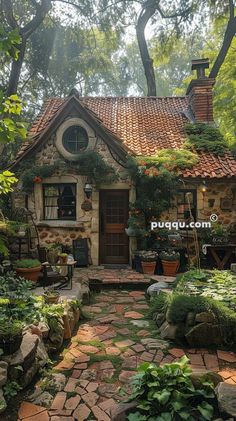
{"x": 105, "y": 352}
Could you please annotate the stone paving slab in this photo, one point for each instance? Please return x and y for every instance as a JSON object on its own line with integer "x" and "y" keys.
{"x": 104, "y": 354}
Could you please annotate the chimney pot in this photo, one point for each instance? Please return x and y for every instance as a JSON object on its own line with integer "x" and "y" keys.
{"x": 200, "y": 65}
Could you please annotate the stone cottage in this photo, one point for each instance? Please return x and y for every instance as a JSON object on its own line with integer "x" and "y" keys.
{"x": 116, "y": 127}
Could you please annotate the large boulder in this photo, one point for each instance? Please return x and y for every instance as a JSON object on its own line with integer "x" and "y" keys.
{"x": 3, "y": 404}
{"x": 25, "y": 356}
{"x": 42, "y": 354}
{"x": 120, "y": 411}
{"x": 226, "y": 396}
{"x": 3, "y": 373}
{"x": 156, "y": 288}
{"x": 203, "y": 335}
{"x": 205, "y": 317}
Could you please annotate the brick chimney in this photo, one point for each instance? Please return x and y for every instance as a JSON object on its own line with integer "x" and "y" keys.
{"x": 200, "y": 92}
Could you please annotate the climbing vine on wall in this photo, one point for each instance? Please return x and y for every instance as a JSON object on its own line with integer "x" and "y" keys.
{"x": 89, "y": 164}
{"x": 156, "y": 179}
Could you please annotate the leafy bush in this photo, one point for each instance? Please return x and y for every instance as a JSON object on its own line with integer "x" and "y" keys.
{"x": 170, "y": 256}
{"x": 168, "y": 394}
{"x": 203, "y": 137}
{"x": 27, "y": 263}
{"x": 9, "y": 328}
{"x": 217, "y": 284}
{"x": 14, "y": 286}
{"x": 181, "y": 305}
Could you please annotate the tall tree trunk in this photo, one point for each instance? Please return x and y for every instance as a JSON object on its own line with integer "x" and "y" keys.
{"x": 146, "y": 13}
{"x": 228, "y": 38}
{"x": 16, "y": 67}
{"x": 41, "y": 10}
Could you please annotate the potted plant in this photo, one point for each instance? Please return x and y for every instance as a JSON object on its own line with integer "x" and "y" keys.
{"x": 10, "y": 335}
{"x": 51, "y": 295}
{"x": 76, "y": 308}
{"x": 28, "y": 268}
{"x": 53, "y": 251}
{"x": 170, "y": 262}
{"x": 148, "y": 261}
{"x": 63, "y": 257}
{"x": 219, "y": 234}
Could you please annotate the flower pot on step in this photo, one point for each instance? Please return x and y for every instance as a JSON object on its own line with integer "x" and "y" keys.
{"x": 170, "y": 267}
{"x": 31, "y": 274}
{"x": 148, "y": 267}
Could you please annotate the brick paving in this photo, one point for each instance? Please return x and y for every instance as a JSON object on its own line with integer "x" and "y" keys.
{"x": 104, "y": 354}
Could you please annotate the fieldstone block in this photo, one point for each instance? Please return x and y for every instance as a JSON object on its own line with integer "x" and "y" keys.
{"x": 203, "y": 335}
{"x": 226, "y": 396}
{"x": 3, "y": 405}
{"x": 122, "y": 410}
{"x": 205, "y": 317}
{"x": 26, "y": 354}
{"x": 3, "y": 375}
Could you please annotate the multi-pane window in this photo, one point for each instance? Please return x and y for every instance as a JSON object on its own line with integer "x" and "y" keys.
{"x": 75, "y": 139}
{"x": 186, "y": 201}
{"x": 59, "y": 201}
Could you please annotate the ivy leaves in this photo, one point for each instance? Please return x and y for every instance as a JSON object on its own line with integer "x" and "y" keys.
{"x": 7, "y": 180}
{"x": 168, "y": 394}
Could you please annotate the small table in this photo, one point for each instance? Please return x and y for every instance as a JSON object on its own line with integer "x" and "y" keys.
{"x": 68, "y": 277}
{"x": 215, "y": 249}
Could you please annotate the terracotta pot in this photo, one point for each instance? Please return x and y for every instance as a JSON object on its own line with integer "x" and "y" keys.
{"x": 76, "y": 315}
{"x": 149, "y": 267}
{"x": 170, "y": 267}
{"x": 31, "y": 274}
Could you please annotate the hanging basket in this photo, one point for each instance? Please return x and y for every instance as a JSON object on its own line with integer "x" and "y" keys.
{"x": 86, "y": 206}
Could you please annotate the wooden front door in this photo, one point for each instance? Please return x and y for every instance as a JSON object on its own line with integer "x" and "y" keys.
{"x": 114, "y": 243}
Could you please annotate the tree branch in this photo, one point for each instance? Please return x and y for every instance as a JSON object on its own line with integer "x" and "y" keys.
{"x": 41, "y": 12}
{"x": 8, "y": 12}
{"x": 231, "y": 9}
{"x": 228, "y": 37}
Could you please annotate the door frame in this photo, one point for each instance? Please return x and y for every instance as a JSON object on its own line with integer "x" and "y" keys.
{"x": 100, "y": 208}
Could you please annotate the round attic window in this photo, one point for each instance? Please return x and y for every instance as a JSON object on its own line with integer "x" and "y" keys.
{"x": 75, "y": 139}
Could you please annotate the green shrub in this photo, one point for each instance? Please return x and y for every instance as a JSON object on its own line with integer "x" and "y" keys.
{"x": 159, "y": 303}
{"x": 181, "y": 305}
{"x": 206, "y": 138}
{"x": 27, "y": 263}
{"x": 10, "y": 327}
{"x": 168, "y": 394}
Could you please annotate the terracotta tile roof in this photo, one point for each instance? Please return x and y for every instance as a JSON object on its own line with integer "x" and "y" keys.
{"x": 144, "y": 125}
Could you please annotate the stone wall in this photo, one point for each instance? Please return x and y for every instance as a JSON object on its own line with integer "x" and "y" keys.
{"x": 86, "y": 224}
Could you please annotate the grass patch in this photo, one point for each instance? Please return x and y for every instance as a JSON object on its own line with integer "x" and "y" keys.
{"x": 92, "y": 342}
{"x": 159, "y": 304}
{"x": 115, "y": 359}
{"x": 71, "y": 394}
